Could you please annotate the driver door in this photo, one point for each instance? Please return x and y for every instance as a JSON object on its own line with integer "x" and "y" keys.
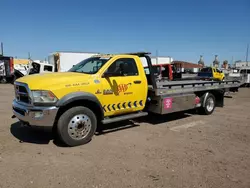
{"x": 123, "y": 90}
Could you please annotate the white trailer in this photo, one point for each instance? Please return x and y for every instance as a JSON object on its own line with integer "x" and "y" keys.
{"x": 63, "y": 61}
{"x": 157, "y": 60}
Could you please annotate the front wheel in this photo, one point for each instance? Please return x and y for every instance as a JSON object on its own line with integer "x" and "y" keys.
{"x": 3, "y": 80}
{"x": 76, "y": 126}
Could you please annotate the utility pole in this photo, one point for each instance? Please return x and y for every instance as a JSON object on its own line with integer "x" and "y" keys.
{"x": 1, "y": 48}
{"x": 232, "y": 62}
{"x": 247, "y": 53}
{"x": 156, "y": 57}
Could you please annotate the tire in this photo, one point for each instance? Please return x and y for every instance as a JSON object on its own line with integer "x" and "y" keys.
{"x": 76, "y": 126}
{"x": 3, "y": 81}
{"x": 209, "y": 105}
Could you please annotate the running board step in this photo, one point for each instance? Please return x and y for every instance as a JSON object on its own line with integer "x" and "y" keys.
{"x": 124, "y": 117}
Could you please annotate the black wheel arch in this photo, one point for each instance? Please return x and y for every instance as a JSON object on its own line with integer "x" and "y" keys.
{"x": 86, "y": 99}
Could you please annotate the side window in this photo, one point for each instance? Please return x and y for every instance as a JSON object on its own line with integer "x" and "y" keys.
{"x": 146, "y": 69}
{"x": 217, "y": 70}
{"x": 242, "y": 71}
{"x": 124, "y": 66}
{"x": 35, "y": 68}
{"x": 47, "y": 68}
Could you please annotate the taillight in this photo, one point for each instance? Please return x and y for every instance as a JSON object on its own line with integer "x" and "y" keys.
{"x": 11, "y": 65}
{"x": 197, "y": 100}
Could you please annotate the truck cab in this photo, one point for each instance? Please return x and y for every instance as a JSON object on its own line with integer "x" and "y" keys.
{"x": 38, "y": 67}
{"x": 105, "y": 85}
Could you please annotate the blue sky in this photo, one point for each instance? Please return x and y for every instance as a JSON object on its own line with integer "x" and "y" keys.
{"x": 182, "y": 29}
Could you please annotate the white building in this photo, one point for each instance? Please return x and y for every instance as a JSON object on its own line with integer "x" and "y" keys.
{"x": 239, "y": 64}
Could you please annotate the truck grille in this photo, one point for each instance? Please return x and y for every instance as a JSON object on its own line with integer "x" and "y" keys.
{"x": 22, "y": 94}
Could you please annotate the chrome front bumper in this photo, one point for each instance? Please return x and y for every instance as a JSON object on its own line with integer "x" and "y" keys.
{"x": 35, "y": 115}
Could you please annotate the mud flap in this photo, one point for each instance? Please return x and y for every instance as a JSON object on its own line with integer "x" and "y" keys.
{"x": 219, "y": 97}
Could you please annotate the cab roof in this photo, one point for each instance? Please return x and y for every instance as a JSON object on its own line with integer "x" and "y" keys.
{"x": 140, "y": 54}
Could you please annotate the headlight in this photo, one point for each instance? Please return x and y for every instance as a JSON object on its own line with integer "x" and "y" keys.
{"x": 43, "y": 97}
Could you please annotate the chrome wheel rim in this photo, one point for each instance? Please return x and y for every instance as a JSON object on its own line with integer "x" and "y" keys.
{"x": 79, "y": 126}
{"x": 210, "y": 104}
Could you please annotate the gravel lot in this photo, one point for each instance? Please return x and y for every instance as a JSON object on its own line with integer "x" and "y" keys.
{"x": 178, "y": 150}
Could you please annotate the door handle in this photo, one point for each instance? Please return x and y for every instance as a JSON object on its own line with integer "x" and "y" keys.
{"x": 137, "y": 81}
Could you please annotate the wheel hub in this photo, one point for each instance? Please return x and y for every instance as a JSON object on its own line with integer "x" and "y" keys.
{"x": 210, "y": 104}
{"x": 79, "y": 126}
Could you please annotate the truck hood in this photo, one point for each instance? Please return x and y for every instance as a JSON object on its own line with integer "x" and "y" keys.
{"x": 46, "y": 81}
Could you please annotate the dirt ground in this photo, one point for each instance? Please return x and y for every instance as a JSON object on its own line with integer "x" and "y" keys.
{"x": 178, "y": 150}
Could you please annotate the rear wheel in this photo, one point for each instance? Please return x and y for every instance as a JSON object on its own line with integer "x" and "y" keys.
{"x": 76, "y": 126}
{"x": 209, "y": 106}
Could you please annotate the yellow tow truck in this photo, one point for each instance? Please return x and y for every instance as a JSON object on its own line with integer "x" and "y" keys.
{"x": 211, "y": 73}
{"x": 107, "y": 88}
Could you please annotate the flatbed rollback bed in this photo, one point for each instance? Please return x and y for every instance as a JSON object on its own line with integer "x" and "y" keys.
{"x": 184, "y": 95}
{"x": 172, "y": 96}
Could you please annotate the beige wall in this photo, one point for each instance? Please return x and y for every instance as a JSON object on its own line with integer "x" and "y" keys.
{"x": 21, "y": 61}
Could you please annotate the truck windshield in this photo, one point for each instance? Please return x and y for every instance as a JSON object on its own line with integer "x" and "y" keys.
{"x": 89, "y": 66}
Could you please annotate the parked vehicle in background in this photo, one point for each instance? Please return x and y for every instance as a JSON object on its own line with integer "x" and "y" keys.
{"x": 38, "y": 67}
{"x": 105, "y": 89}
{"x": 6, "y": 69}
{"x": 171, "y": 72}
{"x": 22, "y": 68}
{"x": 165, "y": 71}
{"x": 241, "y": 74}
{"x": 211, "y": 73}
{"x": 245, "y": 74}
